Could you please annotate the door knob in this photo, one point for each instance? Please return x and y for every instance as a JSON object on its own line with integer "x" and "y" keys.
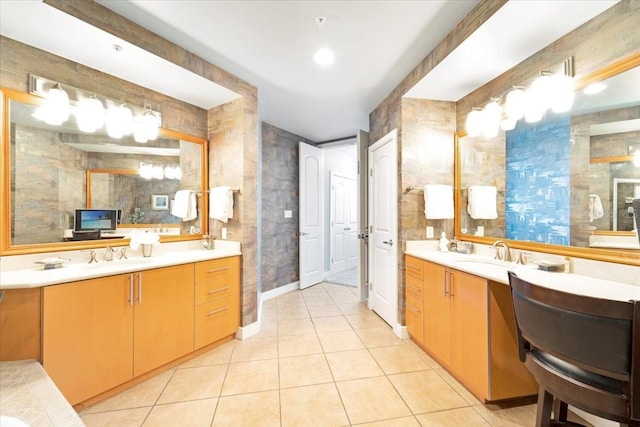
{"x": 390, "y": 242}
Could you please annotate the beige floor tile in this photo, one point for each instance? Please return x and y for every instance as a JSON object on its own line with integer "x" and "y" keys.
{"x": 400, "y": 358}
{"x": 268, "y": 328}
{"x": 314, "y": 290}
{"x": 352, "y": 308}
{"x": 396, "y": 422}
{"x": 194, "y": 383}
{"x": 366, "y": 320}
{"x": 304, "y": 370}
{"x": 297, "y": 311}
{"x": 290, "y": 297}
{"x": 426, "y": 391}
{"x": 298, "y": 345}
{"x": 371, "y": 399}
{"x": 523, "y": 416}
{"x": 316, "y": 405}
{"x": 326, "y": 310}
{"x": 122, "y": 418}
{"x": 318, "y": 299}
{"x": 144, "y": 394}
{"x": 340, "y": 341}
{"x": 289, "y": 327}
{"x": 462, "y": 390}
{"x": 331, "y": 324}
{"x": 218, "y": 356}
{"x": 461, "y": 417}
{"x": 378, "y": 337}
{"x": 195, "y": 413}
{"x": 256, "y": 348}
{"x": 344, "y": 298}
{"x": 429, "y": 359}
{"x": 354, "y": 364}
{"x": 251, "y": 377}
{"x": 254, "y": 409}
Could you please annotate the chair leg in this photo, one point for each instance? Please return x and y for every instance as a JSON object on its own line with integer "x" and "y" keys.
{"x": 545, "y": 405}
{"x": 560, "y": 410}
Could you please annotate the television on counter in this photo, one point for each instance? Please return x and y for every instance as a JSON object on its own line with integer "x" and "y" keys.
{"x": 87, "y": 220}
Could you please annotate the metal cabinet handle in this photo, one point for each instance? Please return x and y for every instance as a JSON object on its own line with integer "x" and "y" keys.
{"x": 446, "y": 283}
{"x": 217, "y": 290}
{"x": 388, "y": 242}
{"x": 139, "y": 288}
{"x": 211, "y": 313}
{"x": 450, "y": 283}
{"x": 131, "y": 289}
{"x": 215, "y": 270}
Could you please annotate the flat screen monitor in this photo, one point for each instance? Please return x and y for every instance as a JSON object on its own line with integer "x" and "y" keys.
{"x": 96, "y": 220}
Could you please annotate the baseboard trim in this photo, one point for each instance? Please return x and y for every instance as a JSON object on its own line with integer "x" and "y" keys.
{"x": 280, "y": 290}
{"x": 248, "y": 331}
{"x": 400, "y": 331}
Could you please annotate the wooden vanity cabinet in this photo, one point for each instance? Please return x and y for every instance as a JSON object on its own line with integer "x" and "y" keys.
{"x": 217, "y": 299}
{"x": 20, "y": 324}
{"x": 100, "y": 333}
{"x": 469, "y": 328}
{"x": 414, "y": 297}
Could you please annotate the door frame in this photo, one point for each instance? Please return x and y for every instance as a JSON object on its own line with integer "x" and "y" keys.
{"x": 390, "y": 138}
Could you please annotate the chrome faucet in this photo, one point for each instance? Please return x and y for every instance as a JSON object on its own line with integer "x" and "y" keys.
{"x": 92, "y": 256}
{"x": 108, "y": 253}
{"x": 507, "y": 251}
{"x": 123, "y": 253}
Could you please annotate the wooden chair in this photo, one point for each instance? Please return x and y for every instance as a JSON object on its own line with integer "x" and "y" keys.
{"x": 582, "y": 351}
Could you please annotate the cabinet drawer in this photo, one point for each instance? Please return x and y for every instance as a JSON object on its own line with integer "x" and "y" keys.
{"x": 216, "y": 279}
{"x": 414, "y": 318}
{"x": 414, "y": 287}
{"x": 216, "y": 319}
{"x": 413, "y": 267}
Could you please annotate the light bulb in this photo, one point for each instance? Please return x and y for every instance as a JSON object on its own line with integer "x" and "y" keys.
{"x": 146, "y": 170}
{"x": 474, "y": 122}
{"x": 507, "y": 124}
{"x": 169, "y": 172}
{"x": 491, "y": 119}
{"x": 140, "y": 131}
{"x": 323, "y": 57}
{"x": 514, "y": 104}
{"x": 534, "y": 107}
{"x": 55, "y": 109}
{"x": 562, "y": 94}
{"x": 636, "y": 159}
{"x": 90, "y": 114}
{"x": 151, "y": 123}
{"x": 177, "y": 171}
{"x": 158, "y": 172}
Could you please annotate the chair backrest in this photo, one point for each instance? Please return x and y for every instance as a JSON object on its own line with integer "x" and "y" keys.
{"x": 592, "y": 333}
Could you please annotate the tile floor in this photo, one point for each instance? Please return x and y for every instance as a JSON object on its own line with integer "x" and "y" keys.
{"x": 321, "y": 359}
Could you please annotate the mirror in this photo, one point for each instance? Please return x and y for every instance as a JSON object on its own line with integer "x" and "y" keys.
{"x": 565, "y": 181}
{"x": 49, "y": 171}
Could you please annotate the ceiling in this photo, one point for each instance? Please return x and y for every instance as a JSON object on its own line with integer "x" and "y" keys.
{"x": 271, "y": 44}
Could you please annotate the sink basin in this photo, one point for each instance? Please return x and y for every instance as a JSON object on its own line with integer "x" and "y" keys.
{"x": 112, "y": 264}
{"x": 485, "y": 261}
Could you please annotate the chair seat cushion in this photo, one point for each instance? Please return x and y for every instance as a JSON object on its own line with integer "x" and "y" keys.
{"x": 595, "y": 380}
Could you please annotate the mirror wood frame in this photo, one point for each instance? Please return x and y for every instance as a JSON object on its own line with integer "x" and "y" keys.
{"x": 6, "y": 248}
{"x": 619, "y": 256}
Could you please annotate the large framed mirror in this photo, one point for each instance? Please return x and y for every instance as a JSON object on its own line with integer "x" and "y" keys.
{"x": 48, "y": 172}
{"x": 565, "y": 184}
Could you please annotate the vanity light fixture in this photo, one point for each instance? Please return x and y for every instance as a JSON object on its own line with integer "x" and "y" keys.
{"x": 551, "y": 90}
{"x": 92, "y": 111}
{"x": 151, "y": 171}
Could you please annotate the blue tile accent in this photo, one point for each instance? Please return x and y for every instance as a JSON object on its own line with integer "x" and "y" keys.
{"x": 538, "y": 181}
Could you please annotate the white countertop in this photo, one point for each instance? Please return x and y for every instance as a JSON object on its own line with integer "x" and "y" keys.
{"x": 28, "y": 395}
{"x": 70, "y": 272}
{"x": 496, "y": 271}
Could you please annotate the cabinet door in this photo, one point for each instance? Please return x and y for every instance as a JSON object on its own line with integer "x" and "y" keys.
{"x": 88, "y": 335}
{"x": 414, "y": 287}
{"x": 163, "y": 323}
{"x": 469, "y": 331}
{"x": 20, "y": 324}
{"x": 437, "y": 312}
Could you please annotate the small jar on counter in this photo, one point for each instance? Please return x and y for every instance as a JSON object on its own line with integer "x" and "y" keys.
{"x": 207, "y": 241}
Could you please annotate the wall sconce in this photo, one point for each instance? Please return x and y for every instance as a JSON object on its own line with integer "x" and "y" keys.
{"x": 151, "y": 171}
{"x": 550, "y": 90}
{"x": 93, "y": 112}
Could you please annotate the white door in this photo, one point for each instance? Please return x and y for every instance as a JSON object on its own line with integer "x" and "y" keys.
{"x": 311, "y": 250}
{"x": 343, "y": 223}
{"x": 383, "y": 228}
{"x": 363, "y": 215}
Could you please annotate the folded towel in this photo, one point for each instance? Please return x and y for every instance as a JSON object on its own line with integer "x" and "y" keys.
{"x": 481, "y": 203}
{"x": 595, "y": 207}
{"x": 185, "y": 205}
{"x": 438, "y": 201}
{"x": 221, "y": 203}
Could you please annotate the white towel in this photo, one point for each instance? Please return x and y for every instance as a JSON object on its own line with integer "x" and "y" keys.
{"x": 438, "y": 201}
{"x": 595, "y": 207}
{"x": 481, "y": 203}
{"x": 221, "y": 203}
{"x": 184, "y": 205}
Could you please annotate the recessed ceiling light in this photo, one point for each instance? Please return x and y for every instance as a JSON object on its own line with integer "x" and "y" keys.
{"x": 323, "y": 57}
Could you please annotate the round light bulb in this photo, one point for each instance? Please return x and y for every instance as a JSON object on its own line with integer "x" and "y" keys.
{"x": 562, "y": 95}
{"x": 56, "y": 106}
{"x": 474, "y": 122}
{"x": 491, "y": 119}
{"x": 90, "y": 114}
{"x": 324, "y": 57}
{"x": 514, "y": 104}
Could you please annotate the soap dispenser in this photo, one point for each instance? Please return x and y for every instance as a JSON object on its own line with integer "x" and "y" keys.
{"x": 443, "y": 244}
